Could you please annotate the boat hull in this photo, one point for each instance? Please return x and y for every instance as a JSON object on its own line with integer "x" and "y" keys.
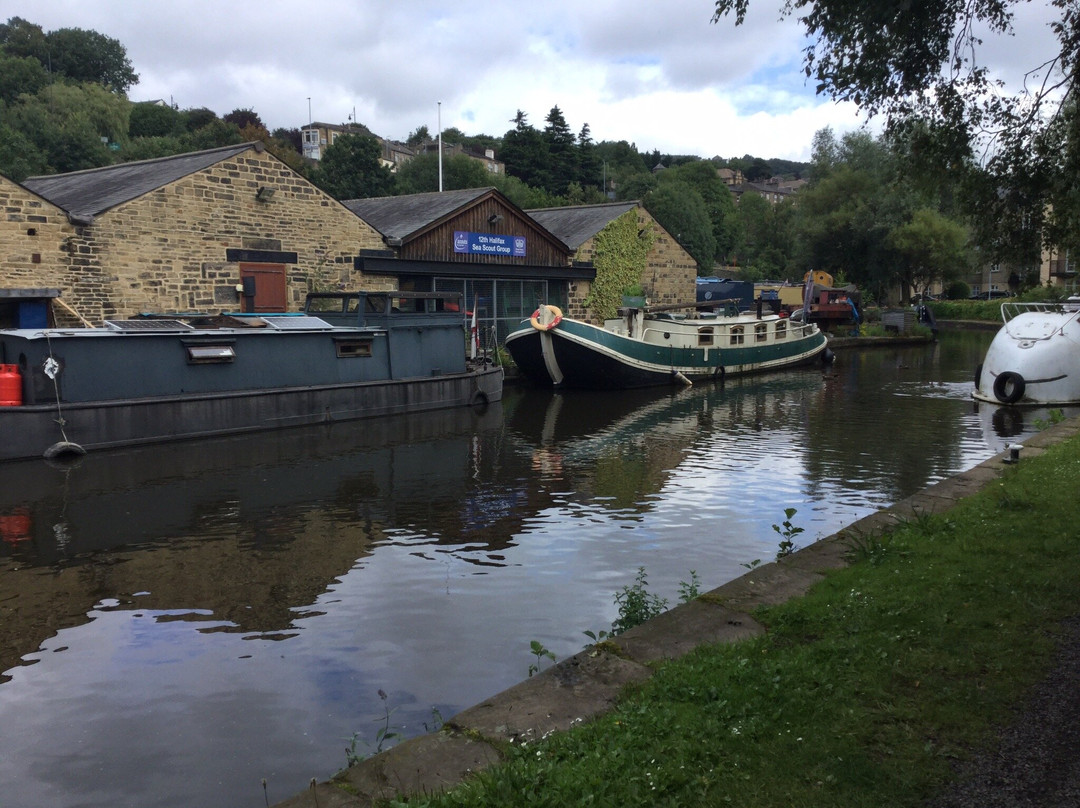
{"x": 579, "y": 355}
{"x": 1034, "y": 359}
{"x": 150, "y": 380}
{"x": 33, "y": 430}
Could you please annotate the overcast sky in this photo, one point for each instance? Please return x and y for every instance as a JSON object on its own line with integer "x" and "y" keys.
{"x": 657, "y": 74}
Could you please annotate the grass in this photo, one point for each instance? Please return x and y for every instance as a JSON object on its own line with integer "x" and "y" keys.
{"x": 866, "y": 692}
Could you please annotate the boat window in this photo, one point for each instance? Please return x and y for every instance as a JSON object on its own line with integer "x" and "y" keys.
{"x": 781, "y": 329}
{"x": 347, "y": 348}
{"x": 210, "y": 354}
{"x": 761, "y": 332}
{"x": 705, "y": 336}
{"x": 737, "y": 337}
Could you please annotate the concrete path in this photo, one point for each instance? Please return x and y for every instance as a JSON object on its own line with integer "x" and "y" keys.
{"x": 588, "y": 684}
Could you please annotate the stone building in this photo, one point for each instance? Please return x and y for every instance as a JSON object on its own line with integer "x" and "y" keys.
{"x": 34, "y": 236}
{"x": 231, "y": 228}
{"x": 666, "y": 274}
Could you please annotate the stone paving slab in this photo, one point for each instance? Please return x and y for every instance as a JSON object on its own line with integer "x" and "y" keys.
{"x": 558, "y": 697}
{"x": 421, "y": 765}
{"x": 679, "y": 631}
{"x": 765, "y": 585}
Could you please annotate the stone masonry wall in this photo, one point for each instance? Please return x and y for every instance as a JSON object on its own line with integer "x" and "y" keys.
{"x": 34, "y": 236}
{"x": 669, "y": 277}
{"x": 166, "y": 250}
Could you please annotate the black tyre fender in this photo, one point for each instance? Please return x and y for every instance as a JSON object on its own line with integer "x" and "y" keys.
{"x": 1009, "y": 387}
{"x": 978, "y": 375}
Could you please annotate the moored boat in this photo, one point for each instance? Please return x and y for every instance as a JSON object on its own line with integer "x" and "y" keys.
{"x": 657, "y": 346}
{"x": 348, "y": 356}
{"x": 1035, "y": 357}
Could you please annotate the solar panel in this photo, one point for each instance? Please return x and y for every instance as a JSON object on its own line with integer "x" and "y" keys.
{"x": 147, "y": 324}
{"x": 301, "y": 322}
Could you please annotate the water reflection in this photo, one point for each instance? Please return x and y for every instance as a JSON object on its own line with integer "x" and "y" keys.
{"x": 179, "y": 622}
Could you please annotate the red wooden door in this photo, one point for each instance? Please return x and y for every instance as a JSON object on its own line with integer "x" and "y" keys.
{"x": 265, "y": 287}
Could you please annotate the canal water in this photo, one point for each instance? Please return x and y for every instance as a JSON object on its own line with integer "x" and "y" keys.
{"x": 179, "y": 623}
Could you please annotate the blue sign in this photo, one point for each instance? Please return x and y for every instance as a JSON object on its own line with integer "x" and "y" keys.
{"x": 489, "y": 244}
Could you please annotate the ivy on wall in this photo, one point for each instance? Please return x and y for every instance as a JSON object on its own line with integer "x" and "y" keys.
{"x": 620, "y": 255}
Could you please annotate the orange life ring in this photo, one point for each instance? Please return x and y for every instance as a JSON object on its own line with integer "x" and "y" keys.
{"x": 546, "y": 317}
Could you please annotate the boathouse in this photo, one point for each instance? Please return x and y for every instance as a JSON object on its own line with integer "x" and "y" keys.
{"x": 232, "y": 228}
{"x": 476, "y": 242}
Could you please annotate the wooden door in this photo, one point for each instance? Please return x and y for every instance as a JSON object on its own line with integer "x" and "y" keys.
{"x": 264, "y": 286}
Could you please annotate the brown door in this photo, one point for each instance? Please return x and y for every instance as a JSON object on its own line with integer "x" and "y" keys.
{"x": 264, "y": 287}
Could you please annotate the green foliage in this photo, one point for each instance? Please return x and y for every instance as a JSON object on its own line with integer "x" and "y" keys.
{"x": 19, "y": 75}
{"x": 1014, "y": 156}
{"x": 620, "y": 258}
{"x": 680, "y": 210}
{"x": 87, "y": 56}
{"x": 421, "y": 174}
{"x": 787, "y": 533}
{"x": 154, "y": 120}
{"x": 636, "y": 604}
{"x": 383, "y": 735}
{"x": 537, "y": 649}
{"x": 350, "y": 169}
{"x": 689, "y": 590}
{"x": 957, "y": 290}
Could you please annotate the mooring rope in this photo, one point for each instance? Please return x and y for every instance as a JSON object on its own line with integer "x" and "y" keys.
{"x": 52, "y": 370}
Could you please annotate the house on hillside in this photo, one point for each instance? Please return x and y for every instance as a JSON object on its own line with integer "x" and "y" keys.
{"x": 599, "y": 234}
{"x": 476, "y": 242}
{"x": 231, "y": 228}
{"x": 485, "y": 158}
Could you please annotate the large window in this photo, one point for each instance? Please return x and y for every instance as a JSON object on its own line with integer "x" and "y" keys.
{"x": 501, "y": 305}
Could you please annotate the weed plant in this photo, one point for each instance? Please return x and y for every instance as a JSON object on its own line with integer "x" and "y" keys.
{"x": 865, "y": 692}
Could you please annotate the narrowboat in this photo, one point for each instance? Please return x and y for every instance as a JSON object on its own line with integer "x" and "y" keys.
{"x": 149, "y": 379}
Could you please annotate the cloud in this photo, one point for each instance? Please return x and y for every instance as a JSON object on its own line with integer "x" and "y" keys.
{"x": 658, "y": 75}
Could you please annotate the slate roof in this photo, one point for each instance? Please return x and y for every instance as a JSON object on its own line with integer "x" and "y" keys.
{"x": 84, "y": 194}
{"x": 399, "y": 217}
{"x": 576, "y": 224}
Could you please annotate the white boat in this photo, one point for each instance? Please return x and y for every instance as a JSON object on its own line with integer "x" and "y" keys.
{"x": 658, "y": 346}
{"x": 1035, "y": 357}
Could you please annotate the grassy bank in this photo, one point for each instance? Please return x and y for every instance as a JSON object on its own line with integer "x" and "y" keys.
{"x": 866, "y": 692}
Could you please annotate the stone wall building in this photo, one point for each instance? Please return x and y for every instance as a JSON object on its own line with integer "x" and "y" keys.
{"x": 668, "y": 273}
{"x": 231, "y": 228}
{"x": 34, "y": 238}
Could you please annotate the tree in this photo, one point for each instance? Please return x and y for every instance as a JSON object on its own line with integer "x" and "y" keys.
{"x": 921, "y": 61}
{"x": 929, "y": 248}
{"x": 19, "y": 156}
{"x": 87, "y": 56}
{"x": 681, "y": 211}
{"x": 590, "y": 168}
{"x": 525, "y": 153}
{"x": 244, "y": 117}
{"x": 719, "y": 203}
{"x": 154, "y": 120}
{"x": 562, "y": 156}
{"x": 197, "y": 118}
{"x": 71, "y": 125}
{"x": 24, "y": 39}
{"x": 350, "y": 169}
{"x": 421, "y": 174}
{"x": 417, "y": 137}
{"x": 19, "y": 75}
